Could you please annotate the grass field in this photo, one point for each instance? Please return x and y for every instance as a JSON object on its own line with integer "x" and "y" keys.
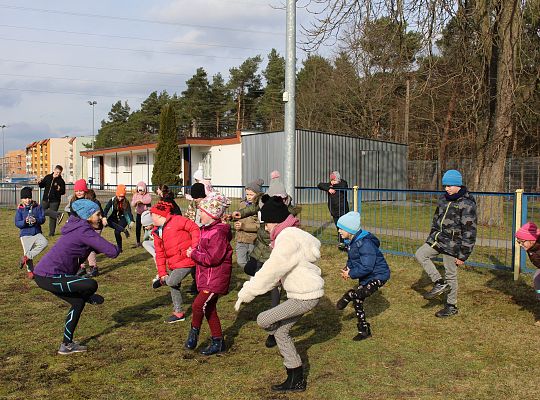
{"x": 488, "y": 351}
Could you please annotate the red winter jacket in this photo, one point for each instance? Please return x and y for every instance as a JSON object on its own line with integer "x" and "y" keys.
{"x": 178, "y": 234}
{"x": 213, "y": 256}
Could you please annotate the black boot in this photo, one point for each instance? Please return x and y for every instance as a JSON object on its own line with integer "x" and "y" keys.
{"x": 270, "y": 341}
{"x": 192, "y": 339}
{"x": 364, "y": 332}
{"x": 345, "y": 300}
{"x": 217, "y": 345}
{"x": 295, "y": 381}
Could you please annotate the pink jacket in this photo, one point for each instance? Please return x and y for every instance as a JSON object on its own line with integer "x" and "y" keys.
{"x": 213, "y": 257}
{"x": 144, "y": 200}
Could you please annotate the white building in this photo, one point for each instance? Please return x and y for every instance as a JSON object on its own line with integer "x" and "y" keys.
{"x": 220, "y": 159}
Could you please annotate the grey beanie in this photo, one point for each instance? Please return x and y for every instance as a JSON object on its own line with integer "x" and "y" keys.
{"x": 255, "y": 186}
{"x": 335, "y": 175}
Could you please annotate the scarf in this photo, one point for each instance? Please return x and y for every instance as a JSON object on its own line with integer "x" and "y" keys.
{"x": 453, "y": 197}
{"x": 291, "y": 221}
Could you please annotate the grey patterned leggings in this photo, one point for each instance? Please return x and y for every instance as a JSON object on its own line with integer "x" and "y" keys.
{"x": 279, "y": 320}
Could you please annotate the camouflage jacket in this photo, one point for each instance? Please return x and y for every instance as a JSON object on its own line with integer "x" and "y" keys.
{"x": 453, "y": 230}
{"x": 250, "y": 225}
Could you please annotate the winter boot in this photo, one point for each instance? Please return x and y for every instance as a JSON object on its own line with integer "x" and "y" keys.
{"x": 364, "y": 332}
{"x": 345, "y": 300}
{"x": 193, "y": 338}
{"x": 217, "y": 345}
{"x": 270, "y": 341}
{"x": 295, "y": 381}
{"x": 447, "y": 311}
{"x": 438, "y": 288}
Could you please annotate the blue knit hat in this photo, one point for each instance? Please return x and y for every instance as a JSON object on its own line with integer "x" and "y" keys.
{"x": 452, "y": 178}
{"x": 84, "y": 208}
{"x": 349, "y": 222}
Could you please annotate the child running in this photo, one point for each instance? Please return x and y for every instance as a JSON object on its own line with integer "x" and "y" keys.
{"x": 29, "y": 218}
{"x": 118, "y": 214}
{"x": 366, "y": 263}
{"x": 291, "y": 264}
{"x": 213, "y": 257}
{"x": 173, "y": 236}
{"x": 141, "y": 200}
{"x": 55, "y": 272}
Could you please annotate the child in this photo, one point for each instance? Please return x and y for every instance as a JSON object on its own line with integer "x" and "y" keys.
{"x": 29, "y": 218}
{"x": 148, "y": 238}
{"x": 291, "y": 264}
{"x": 93, "y": 269}
{"x": 197, "y": 193}
{"x": 55, "y": 272}
{"x": 366, "y": 263}
{"x": 166, "y": 195}
{"x": 173, "y": 236}
{"x": 142, "y": 202}
{"x": 453, "y": 234}
{"x": 337, "y": 198}
{"x": 246, "y": 228}
{"x": 118, "y": 213}
{"x": 213, "y": 257}
{"x": 528, "y": 237}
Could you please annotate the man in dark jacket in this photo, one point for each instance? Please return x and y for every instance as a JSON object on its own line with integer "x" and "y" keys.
{"x": 54, "y": 188}
{"x": 337, "y": 197}
{"x": 453, "y": 234}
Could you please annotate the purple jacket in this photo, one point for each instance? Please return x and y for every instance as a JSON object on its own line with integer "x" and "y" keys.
{"x": 77, "y": 241}
{"x": 213, "y": 256}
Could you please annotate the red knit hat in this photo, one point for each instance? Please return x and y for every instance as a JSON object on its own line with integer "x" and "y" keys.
{"x": 529, "y": 231}
{"x": 161, "y": 208}
{"x": 80, "y": 185}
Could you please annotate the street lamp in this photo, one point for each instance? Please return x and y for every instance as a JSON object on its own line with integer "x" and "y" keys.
{"x": 3, "y": 153}
{"x": 93, "y": 104}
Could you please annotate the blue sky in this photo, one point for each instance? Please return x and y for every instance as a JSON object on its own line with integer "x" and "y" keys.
{"x": 57, "y": 55}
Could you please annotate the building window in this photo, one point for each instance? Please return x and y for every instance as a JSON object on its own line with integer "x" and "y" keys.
{"x": 127, "y": 163}
{"x": 141, "y": 159}
{"x": 207, "y": 164}
{"x": 114, "y": 164}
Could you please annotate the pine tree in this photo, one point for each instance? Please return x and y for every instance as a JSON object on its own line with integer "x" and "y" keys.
{"x": 271, "y": 109}
{"x": 168, "y": 163}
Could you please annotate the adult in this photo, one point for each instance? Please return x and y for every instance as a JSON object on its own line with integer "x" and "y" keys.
{"x": 54, "y": 188}
{"x": 337, "y": 197}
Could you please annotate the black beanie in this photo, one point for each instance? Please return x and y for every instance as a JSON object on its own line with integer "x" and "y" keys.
{"x": 26, "y": 192}
{"x": 197, "y": 191}
{"x": 274, "y": 210}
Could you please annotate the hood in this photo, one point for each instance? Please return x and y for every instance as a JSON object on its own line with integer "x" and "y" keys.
{"x": 75, "y": 224}
{"x": 142, "y": 184}
{"x": 365, "y": 235}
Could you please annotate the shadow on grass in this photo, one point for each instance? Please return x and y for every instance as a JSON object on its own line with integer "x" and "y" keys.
{"x": 520, "y": 292}
{"x": 143, "y": 256}
{"x": 137, "y": 313}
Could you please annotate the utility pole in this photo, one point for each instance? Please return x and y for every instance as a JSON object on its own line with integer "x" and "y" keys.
{"x": 289, "y": 97}
{"x": 3, "y": 154}
{"x": 93, "y": 104}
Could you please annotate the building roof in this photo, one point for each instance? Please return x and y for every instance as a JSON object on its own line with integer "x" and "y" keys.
{"x": 184, "y": 142}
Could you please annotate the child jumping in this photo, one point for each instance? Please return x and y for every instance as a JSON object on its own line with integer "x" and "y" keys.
{"x": 291, "y": 264}
{"x": 213, "y": 257}
{"x": 118, "y": 213}
{"x": 142, "y": 200}
{"x": 55, "y": 272}
{"x": 366, "y": 263}
{"x": 173, "y": 236}
{"x": 29, "y": 218}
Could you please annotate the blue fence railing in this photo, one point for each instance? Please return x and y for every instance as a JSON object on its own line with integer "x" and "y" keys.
{"x": 400, "y": 218}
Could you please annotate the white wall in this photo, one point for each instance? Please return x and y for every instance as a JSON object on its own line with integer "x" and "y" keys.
{"x": 227, "y": 168}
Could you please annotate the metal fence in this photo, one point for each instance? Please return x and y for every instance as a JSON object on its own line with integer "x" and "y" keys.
{"x": 401, "y": 219}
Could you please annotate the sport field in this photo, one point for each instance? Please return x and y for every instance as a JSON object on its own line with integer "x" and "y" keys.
{"x": 488, "y": 351}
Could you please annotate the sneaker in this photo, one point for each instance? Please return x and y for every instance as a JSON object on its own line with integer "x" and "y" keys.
{"x": 30, "y": 275}
{"x": 95, "y": 299}
{"x": 156, "y": 283}
{"x": 176, "y": 317}
{"x": 447, "y": 311}
{"x": 438, "y": 289}
{"x": 29, "y": 265}
{"x": 92, "y": 273}
{"x": 70, "y": 348}
{"x": 59, "y": 218}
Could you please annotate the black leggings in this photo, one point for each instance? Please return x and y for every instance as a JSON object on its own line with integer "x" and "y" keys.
{"x": 73, "y": 289}
{"x": 138, "y": 227}
{"x": 358, "y": 296}
{"x": 119, "y": 226}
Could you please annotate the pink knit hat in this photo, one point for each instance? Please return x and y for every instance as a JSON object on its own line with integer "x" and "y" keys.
{"x": 80, "y": 185}
{"x": 529, "y": 231}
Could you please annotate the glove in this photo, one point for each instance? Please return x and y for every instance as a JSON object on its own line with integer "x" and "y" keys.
{"x": 237, "y": 305}
{"x": 131, "y": 224}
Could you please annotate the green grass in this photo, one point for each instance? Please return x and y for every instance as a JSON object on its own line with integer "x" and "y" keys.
{"x": 488, "y": 351}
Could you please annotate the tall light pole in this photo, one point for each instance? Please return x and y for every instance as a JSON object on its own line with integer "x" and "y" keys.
{"x": 3, "y": 153}
{"x": 289, "y": 97}
{"x": 93, "y": 104}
